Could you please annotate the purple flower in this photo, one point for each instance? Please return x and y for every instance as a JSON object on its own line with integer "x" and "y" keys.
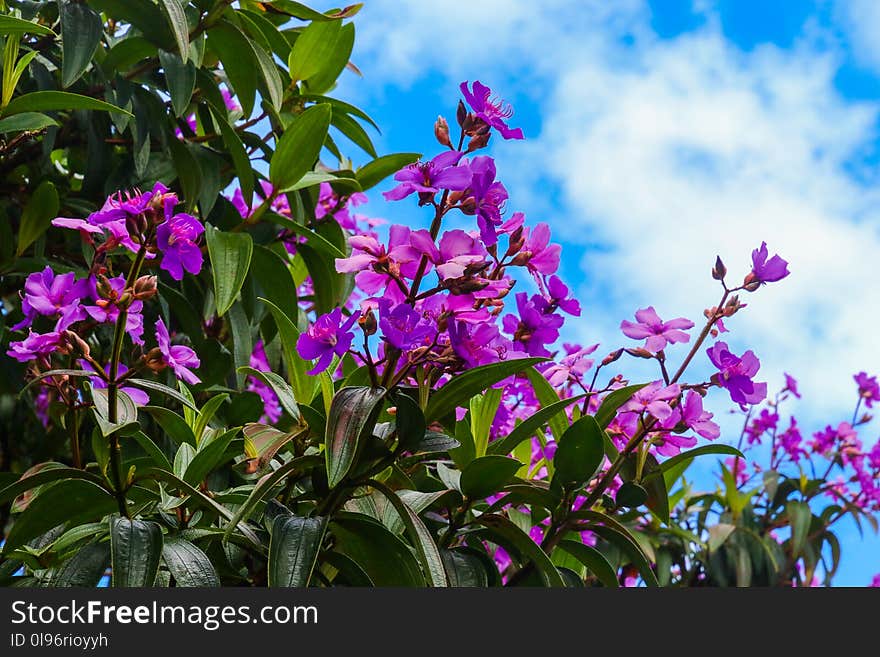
{"x": 670, "y": 444}
{"x": 869, "y": 389}
{"x": 178, "y": 357}
{"x": 489, "y": 197}
{"x": 136, "y": 395}
{"x": 735, "y": 374}
{"x": 376, "y": 266}
{"x": 176, "y": 239}
{"x": 106, "y": 309}
{"x": 430, "y": 177}
{"x": 480, "y": 344}
{"x": 457, "y": 252}
{"x": 790, "y": 441}
{"x": 51, "y": 295}
{"x": 572, "y": 367}
{"x": 653, "y": 399}
{"x": 791, "y": 385}
{"x": 655, "y": 331}
{"x": 491, "y": 111}
{"x": 558, "y": 297}
{"x": 271, "y": 406}
{"x": 401, "y": 326}
{"x": 764, "y": 270}
{"x": 34, "y": 345}
{"x": 537, "y": 254}
{"x": 533, "y": 328}
{"x": 766, "y": 421}
{"x": 695, "y": 418}
{"x": 329, "y": 335}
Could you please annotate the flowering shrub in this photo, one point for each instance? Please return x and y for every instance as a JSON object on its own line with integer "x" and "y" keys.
{"x": 236, "y": 378}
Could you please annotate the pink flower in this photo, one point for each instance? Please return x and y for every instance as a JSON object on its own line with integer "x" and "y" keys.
{"x": 653, "y": 399}
{"x": 178, "y": 357}
{"x": 656, "y": 333}
{"x": 735, "y": 374}
{"x": 329, "y": 335}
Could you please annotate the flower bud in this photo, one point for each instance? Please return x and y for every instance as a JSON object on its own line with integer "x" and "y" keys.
{"x": 751, "y": 282}
{"x": 461, "y": 114}
{"x": 136, "y": 225}
{"x": 441, "y": 132}
{"x": 478, "y": 141}
{"x": 469, "y": 205}
{"x": 613, "y": 356}
{"x": 76, "y": 344}
{"x": 367, "y": 322}
{"x": 719, "y": 271}
{"x": 145, "y": 288}
{"x": 522, "y": 259}
{"x": 154, "y": 360}
{"x": 103, "y": 287}
{"x": 640, "y": 352}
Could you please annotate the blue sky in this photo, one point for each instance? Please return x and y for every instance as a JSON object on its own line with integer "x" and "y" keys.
{"x": 659, "y": 134}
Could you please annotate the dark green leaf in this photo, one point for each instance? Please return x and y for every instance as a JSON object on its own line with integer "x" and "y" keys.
{"x": 176, "y": 18}
{"x": 126, "y": 412}
{"x": 26, "y": 121}
{"x": 279, "y": 387}
{"x": 487, "y": 475}
{"x": 37, "y": 215}
{"x": 314, "y": 49}
{"x": 299, "y": 147}
{"x": 239, "y": 63}
{"x": 173, "y": 425}
{"x": 464, "y": 386}
{"x": 631, "y": 495}
{"x": 464, "y": 569}
{"x": 349, "y": 418}
{"x": 83, "y": 569}
{"x": 81, "y": 30}
{"x": 613, "y": 401}
{"x": 13, "y": 25}
{"x": 799, "y": 516}
{"x": 514, "y": 539}
{"x": 385, "y": 559}
{"x": 208, "y": 458}
{"x": 692, "y": 454}
{"x": 580, "y": 452}
{"x": 275, "y": 280}
{"x": 135, "y": 549}
{"x": 146, "y": 384}
{"x": 528, "y": 427}
{"x": 237, "y": 152}
{"x": 230, "y": 259}
{"x": 411, "y": 425}
{"x": 73, "y": 501}
{"x": 180, "y": 75}
{"x": 293, "y": 549}
{"x": 188, "y": 564}
{"x": 41, "y": 101}
{"x": 594, "y": 560}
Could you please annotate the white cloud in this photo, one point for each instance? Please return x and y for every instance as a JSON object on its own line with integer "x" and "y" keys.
{"x": 667, "y": 152}
{"x": 860, "y": 20}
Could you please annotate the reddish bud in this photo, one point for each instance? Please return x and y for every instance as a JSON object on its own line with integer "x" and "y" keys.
{"x": 719, "y": 271}
{"x": 145, "y": 288}
{"x": 367, "y": 322}
{"x": 441, "y": 132}
{"x": 478, "y": 141}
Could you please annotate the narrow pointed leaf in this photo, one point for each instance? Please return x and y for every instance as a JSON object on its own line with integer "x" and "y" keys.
{"x": 135, "y": 549}
{"x": 293, "y": 549}
{"x": 230, "y": 259}
{"x": 349, "y": 416}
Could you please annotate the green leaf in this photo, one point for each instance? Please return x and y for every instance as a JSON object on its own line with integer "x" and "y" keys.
{"x": 206, "y": 414}
{"x": 374, "y": 172}
{"x": 613, "y": 401}
{"x": 237, "y": 152}
{"x": 176, "y": 18}
{"x": 334, "y": 63}
{"x": 314, "y": 49}
{"x": 410, "y": 422}
{"x": 419, "y": 536}
{"x": 547, "y": 396}
{"x": 180, "y": 75}
{"x": 188, "y": 564}
{"x": 686, "y": 457}
{"x": 126, "y": 412}
{"x": 594, "y": 560}
{"x": 472, "y": 382}
{"x": 73, "y": 501}
{"x": 299, "y": 147}
{"x": 528, "y": 427}
{"x": 303, "y": 385}
{"x": 614, "y": 532}
{"x": 83, "y": 569}
{"x": 386, "y": 559}
{"x": 483, "y": 409}
{"x": 239, "y": 63}
{"x": 50, "y": 472}
{"x": 208, "y": 458}
{"x": 152, "y": 450}
{"x": 135, "y": 549}
{"x": 279, "y": 386}
{"x": 37, "y": 215}
{"x": 337, "y": 181}
{"x": 317, "y": 241}
{"x": 718, "y": 534}
{"x": 631, "y": 495}
{"x": 487, "y": 475}
{"x": 275, "y": 280}
{"x": 42, "y": 101}
{"x": 352, "y": 413}
{"x": 514, "y": 539}
{"x": 26, "y": 121}
{"x": 293, "y": 549}
{"x": 464, "y": 568}
{"x": 174, "y": 426}
{"x": 580, "y": 452}
{"x": 146, "y": 384}
{"x": 262, "y": 442}
{"x": 273, "y": 86}
{"x": 230, "y": 259}
{"x": 12, "y": 25}
{"x": 81, "y": 30}
{"x": 266, "y": 484}
{"x": 799, "y": 516}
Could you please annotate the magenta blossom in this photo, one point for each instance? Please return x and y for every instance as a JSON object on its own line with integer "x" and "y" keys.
{"x": 376, "y": 266}
{"x": 34, "y": 345}
{"x": 653, "y": 399}
{"x": 764, "y": 270}
{"x": 557, "y": 293}
{"x": 692, "y": 415}
{"x": 271, "y": 407}
{"x": 869, "y": 389}
{"x": 178, "y": 357}
{"x": 138, "y": 396}
{"x": 176, "y": 239}
{"x": 402, "y": 327}
{"x": 791, "y": 385}
{"x": 533, "y": 328}
{"x": 329, "y": 335}
{"x": 489, "y": 197}
{"x": 538, "y": 254}
{"x": 735, "y": 374}
{"x": 51, "y": 295}
{"x": 106, "y": 308}
{"x": 456, "y": 253}
{"x": 656, "y": 333}
{"x": 493, "y": 112}
{"x": 428, "y": 178}
{"x": 572, "y": 367}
